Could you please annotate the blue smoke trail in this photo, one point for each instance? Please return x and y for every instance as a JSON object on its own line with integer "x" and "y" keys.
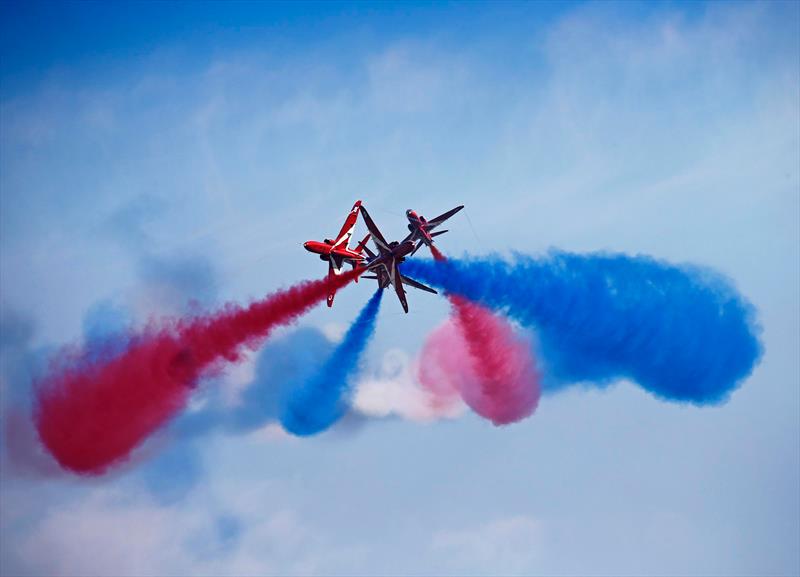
{"x": 682, "y": 332}
{"x": 321, "y": 401}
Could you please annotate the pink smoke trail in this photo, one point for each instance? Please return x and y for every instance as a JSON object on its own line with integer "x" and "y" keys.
{"x": 481, "y": 356}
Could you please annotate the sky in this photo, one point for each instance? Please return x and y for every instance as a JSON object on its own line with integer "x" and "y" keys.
{"x": 158, "y": 159}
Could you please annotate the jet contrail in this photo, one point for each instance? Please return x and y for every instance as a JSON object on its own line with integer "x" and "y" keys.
{"x": 496, "y": 374}
{"x": 92, "y": 410}
{"x": 320, "y": 402}
{"x": 682, "y": 332}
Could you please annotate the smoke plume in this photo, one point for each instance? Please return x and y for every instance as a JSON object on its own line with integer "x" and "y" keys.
{"x": 480, "y": 356}
{"x": 93, "y": 408}
{"x": 323, "y": 399}
{"x": 682, "y": 332}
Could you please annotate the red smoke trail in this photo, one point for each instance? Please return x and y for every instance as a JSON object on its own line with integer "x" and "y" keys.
{"x": 91, "y": 414}
{"x": 436, "y": 254}
{"x": 500, "y": 381}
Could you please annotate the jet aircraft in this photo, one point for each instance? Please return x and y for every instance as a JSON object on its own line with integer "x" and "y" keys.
{"x": 337, "y": 252}
{"x": 421, "y": 228}
{"x": 385, "y": 264}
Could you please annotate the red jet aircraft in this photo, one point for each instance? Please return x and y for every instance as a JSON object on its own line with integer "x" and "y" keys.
{"x": 421, "y": 228}
{"x": 336, "y": 252}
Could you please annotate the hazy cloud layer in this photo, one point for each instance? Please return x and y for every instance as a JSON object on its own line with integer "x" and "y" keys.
{"x": 135, "y": 183}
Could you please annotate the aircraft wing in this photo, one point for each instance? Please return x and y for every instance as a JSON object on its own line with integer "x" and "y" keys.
{"x": 336, "y": 263}
{"x": 434, "y": 222}
{"x": 377, "y": 237}
{"x": 347, "y": 228}
{"x": 332, "y": 291}
{"x": 416, "y": 248}
{"x": 416, "y": 284}
{"x": 397, "y": 281}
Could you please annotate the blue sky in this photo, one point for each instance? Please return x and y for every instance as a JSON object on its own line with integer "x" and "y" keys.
{"x": 153, "y": 154}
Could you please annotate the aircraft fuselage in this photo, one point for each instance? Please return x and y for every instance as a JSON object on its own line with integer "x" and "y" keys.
{"x": 416, "y": 224}
{"x": 326, "y": 248}
{"x": 398, "y": 251}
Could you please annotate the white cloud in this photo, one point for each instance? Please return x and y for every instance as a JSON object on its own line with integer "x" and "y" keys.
{"x": 334, "y": 332}
{"x": 236, "y": 378}
{"x": 393, "y": 390}
{"x": 105, "y": 534}
{"x": 271, "y": 432}
{"x": 114, "y": 531}
{"x": 507, "y": 546}
{"x": 406, "y": 79}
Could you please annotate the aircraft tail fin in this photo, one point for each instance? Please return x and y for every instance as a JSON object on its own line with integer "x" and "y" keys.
{"x": 363, "y": 244}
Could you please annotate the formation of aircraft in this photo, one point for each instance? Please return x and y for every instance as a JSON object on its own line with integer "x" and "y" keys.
{"x": 383, "y": 265}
